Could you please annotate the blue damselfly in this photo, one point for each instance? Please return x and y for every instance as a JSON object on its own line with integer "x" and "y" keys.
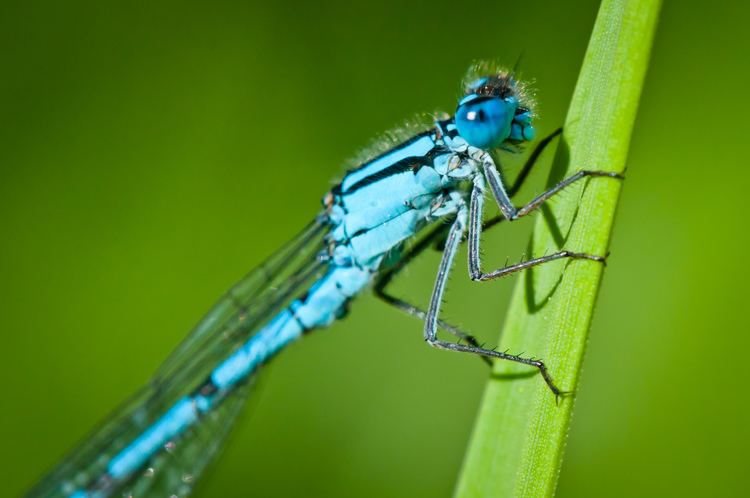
{"x": 430, "y": 182}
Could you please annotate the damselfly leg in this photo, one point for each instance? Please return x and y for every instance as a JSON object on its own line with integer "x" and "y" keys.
{"x": 385, "y": 279}
{"x": 474, "y": 227}
{"x": 475, "y": 231}
{"x": 502, "y": 196}
{"x": 438, "y": 235}
{"x": 431, "y": 320}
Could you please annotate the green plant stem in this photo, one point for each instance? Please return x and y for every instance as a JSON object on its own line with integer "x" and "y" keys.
{"x": 519, "y": 437}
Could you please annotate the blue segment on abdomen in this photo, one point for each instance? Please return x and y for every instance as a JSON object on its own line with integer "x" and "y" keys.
{"x": 279, "y": 332}
{"x": 330, "y": 294}
{"x": 319, "y": 308}
{"x": 172, "y": 423}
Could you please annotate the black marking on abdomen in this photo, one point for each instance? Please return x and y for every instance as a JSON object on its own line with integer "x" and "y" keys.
{"x": 206, "y": 389}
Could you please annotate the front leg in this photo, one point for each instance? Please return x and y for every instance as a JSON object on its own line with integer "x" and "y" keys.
{"x": 499, "y": 192}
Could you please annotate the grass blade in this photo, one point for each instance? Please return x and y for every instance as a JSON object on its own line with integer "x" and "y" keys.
{"x": 519, "y": 437}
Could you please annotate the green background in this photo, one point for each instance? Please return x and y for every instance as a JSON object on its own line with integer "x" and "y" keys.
{"x": 151, "y": 154}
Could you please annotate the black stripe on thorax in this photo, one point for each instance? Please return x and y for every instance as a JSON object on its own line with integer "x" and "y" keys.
{"x": 413, "y": 163}
{"x": 400, "y": 146}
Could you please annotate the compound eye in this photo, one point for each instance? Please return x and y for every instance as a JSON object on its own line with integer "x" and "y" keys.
{"x": 484, "y": 122}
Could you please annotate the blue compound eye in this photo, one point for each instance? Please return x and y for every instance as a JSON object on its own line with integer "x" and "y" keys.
{"x": 485, "y": 122}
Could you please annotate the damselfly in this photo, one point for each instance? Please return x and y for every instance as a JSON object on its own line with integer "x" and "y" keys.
{"x": 430, "y": 182}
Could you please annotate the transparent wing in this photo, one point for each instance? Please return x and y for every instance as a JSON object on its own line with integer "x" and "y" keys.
{"x": 231, "y": 322}
{"x": 245, "y": 307}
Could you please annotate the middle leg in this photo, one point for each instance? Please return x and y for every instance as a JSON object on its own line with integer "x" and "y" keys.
{"x": 475, "y": 232}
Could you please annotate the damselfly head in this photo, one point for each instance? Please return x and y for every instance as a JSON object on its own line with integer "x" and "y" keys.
{"x": 494, "y": 109}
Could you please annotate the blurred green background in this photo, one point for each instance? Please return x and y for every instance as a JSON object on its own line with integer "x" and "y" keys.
{"x": 153, "y": 152}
